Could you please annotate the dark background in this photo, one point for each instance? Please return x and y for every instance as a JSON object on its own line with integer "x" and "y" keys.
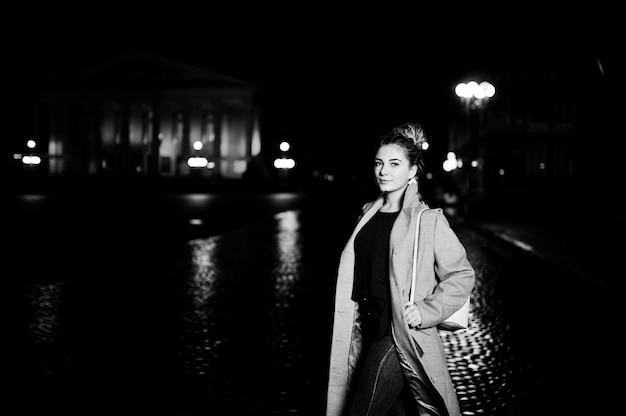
{"x": 328, "y": 76}
{"x": 331, "y": 80}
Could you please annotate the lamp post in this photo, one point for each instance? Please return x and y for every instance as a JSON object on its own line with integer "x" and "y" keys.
{"x": 475, "y": 96}
{"x": 284, "y": 164}
{"x": 31, "y": 159}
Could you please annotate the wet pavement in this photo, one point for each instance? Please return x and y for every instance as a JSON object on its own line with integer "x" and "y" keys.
{"x": 207, "y": 306}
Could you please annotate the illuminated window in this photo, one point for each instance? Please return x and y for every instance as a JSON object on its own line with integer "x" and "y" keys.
{"x": 146, "y": 127}
{"x": 178, "y": 127}
{"x": 209, "y": 134}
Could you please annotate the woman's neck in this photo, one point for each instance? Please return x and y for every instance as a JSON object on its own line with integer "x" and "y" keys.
{"x": 392, "y": 201}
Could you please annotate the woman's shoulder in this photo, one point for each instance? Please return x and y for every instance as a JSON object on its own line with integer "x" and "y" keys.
{"x": 434, "y": 214}
{"x": 424, "y": 208}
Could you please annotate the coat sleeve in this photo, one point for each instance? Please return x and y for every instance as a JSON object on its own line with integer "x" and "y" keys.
{"x": 455, "y": 276}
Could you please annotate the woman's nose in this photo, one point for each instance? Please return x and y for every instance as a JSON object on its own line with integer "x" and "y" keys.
{"x": 382, "y": 170}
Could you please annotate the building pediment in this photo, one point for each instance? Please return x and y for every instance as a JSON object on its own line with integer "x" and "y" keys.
{"x": 139, "y": 70}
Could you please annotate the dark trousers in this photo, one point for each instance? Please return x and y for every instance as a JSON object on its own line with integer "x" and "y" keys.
{"x": 380, "y": 383}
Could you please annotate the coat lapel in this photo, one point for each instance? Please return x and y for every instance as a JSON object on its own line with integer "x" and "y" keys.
{"x": 344, "y": 342}
{"x": 400, "y": 261}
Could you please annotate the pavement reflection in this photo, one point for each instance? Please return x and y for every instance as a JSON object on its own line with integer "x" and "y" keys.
{"x": 197, "y": 321}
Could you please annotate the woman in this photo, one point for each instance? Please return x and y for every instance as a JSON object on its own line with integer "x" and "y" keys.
{"x": 386, "y": 354}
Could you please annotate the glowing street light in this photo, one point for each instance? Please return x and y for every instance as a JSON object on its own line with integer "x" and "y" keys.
{"x": 197, "y": 162}
{"x": 451, "y": 162}
{"x": 31, "y": 160}
{"x": 284, "y": 163}
{"x": 474, "y": 95}
{"x": 284, "y": 146}
{"x": 474, "y": 90}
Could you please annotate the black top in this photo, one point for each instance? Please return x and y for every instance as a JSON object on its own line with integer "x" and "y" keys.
{"x": 371, "y": 274}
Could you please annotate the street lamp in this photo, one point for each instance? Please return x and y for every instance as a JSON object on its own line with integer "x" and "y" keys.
{"x": 31, "y": 159}
{"x": 284, "y": 163}
{"x": 475, "y": 95}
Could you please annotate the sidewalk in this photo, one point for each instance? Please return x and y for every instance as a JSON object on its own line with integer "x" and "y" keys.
{"x": 587, "y": 247}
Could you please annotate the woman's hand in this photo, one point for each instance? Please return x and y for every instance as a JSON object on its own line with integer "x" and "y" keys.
{"x": 412, "y": 314}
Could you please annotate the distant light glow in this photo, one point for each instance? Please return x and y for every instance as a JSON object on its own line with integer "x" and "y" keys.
{"x": 240, "y": 166}
{"x": 31, "y": 144}
{"x": 197, "y": 162}
{"x": 31, "y": 160}
{"x": 450, "y": 163}
{"x": 425, "y": 146}
{"x": 284, "y": 146}
{"x": 463, "y": 91}
{"x": 255, "y": 146}
{"x": 476, "y": 90}
{"x": 488, "y": 89}
{"x": 284, "y": 163}
{"x": 197, "y": 145}
{"x": 474, "y": 163}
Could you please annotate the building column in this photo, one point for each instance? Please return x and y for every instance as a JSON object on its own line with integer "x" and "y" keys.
{"x": 124, "y": 148}
{"x": 155, "y": 142}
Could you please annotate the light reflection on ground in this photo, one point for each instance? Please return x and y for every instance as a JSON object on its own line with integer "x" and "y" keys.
{"x": 238, "y": 323}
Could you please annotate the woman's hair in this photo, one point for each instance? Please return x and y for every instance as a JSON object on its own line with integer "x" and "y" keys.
{"x": 410, "y": 137}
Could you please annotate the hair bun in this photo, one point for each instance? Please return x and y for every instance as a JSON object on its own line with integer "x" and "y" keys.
{"x": 411, "y": 131}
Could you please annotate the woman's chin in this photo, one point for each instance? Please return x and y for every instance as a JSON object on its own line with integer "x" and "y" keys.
{"x": 389, "y": 188}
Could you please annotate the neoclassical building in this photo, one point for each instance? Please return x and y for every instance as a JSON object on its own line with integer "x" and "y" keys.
{"x": 143, "y": 114}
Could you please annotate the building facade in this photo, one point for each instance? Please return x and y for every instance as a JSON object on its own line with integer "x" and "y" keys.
{"x": 535, "y": 143}
{"x": 142, "y": 114}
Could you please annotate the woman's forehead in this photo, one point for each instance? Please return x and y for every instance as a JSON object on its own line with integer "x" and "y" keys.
{"x": 390, "y": 151}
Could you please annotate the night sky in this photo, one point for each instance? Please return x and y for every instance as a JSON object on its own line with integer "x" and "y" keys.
{"x": 330, "y": 80}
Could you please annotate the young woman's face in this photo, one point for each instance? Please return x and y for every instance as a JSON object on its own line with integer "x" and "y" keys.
{"x": 392, "y": 169}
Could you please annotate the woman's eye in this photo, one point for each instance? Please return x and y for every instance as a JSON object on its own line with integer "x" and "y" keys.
{"x": 377, "y": 163}
{"x": 394, "y": 164}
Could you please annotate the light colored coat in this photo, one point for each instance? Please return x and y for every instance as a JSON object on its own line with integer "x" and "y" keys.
{"x": 445, "y": 279}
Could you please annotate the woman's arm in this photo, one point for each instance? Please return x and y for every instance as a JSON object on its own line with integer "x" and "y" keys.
{"x": 456, "y": 276}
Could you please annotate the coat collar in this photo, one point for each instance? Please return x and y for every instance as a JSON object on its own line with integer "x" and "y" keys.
{"x": 410, "y": 199}
{"x": 411, "y": 196}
